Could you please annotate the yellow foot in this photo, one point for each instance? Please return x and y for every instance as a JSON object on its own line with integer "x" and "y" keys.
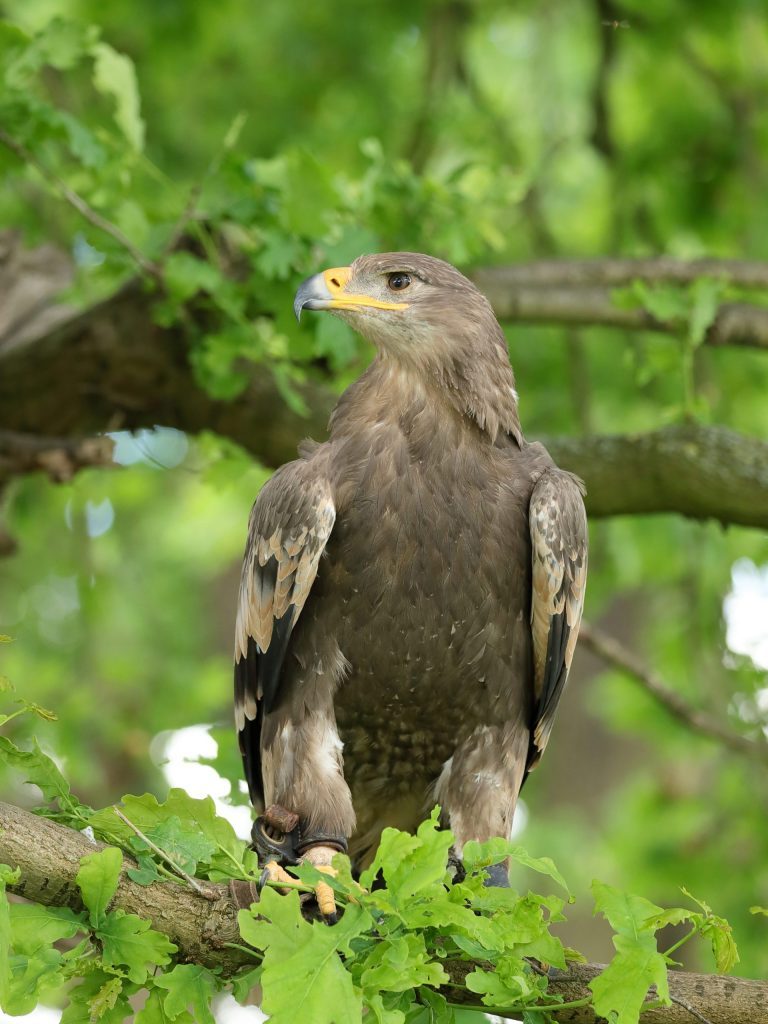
{"x": 276, "y": 873}
{"x": 320, "y": 857}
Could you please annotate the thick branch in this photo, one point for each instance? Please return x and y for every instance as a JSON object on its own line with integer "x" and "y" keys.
{"x": 615, "y": 653}
{"x": 49, "y": 855}
{"x": 701, "y": 472}
{"x": 59, "y": 457}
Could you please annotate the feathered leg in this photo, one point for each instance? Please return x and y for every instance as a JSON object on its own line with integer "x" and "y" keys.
{"x": 310, "y": 816}
{"x": 478, "y": 788}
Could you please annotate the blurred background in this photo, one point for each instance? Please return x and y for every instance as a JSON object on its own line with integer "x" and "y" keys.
{"x": 246, "y": 145}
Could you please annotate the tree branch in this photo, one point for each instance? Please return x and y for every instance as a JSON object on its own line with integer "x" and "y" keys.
{"x": 579, "y": 292}
{"x": 49, "y": 855}
{"x": 699, "y": 471}
{"x": 59, "y": 457}
{"x": 615, "y": 653}
{"x": 617, "y": 272}
{"x": 736, "y": 323}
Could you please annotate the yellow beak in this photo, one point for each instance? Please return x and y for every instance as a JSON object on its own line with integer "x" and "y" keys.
{"x": 328, "y": 291}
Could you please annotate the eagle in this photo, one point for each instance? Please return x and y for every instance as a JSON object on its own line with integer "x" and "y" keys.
{"x": 412, "y": 588}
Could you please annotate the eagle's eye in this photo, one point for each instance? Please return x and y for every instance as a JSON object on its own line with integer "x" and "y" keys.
{"x": 398, "y": 281}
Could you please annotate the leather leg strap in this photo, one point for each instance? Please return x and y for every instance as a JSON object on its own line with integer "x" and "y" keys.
{"x": 277, "y": 835}
{"x": 315, "y": 838}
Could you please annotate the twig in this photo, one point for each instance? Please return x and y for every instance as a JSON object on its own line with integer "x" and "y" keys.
{"x": 82, "y": 207}
{"x": 691, "y": 1009}
{"x": 212, "y": 895}
{"x": 190, "y": 207}
{"x": 612, "y": 651}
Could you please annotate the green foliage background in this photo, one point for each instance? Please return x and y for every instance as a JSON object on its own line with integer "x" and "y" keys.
{"x": 473, "y": 131}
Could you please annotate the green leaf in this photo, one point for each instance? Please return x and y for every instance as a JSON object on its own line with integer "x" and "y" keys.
{"x": 399, "y": 963}
{"x": 31, "y": 976}
{"x": 147, "y": 872}
{"x": 719, "y": 933}
{"x": 619, "y": 992}
{"x": 130, "y": 941}
{"x": 197, "y": 818}
{"x": 626, "y": 914}
{"x": 759, "y": 910}
{"x": 7, "y": 876}
{"x": 244, "y": 983}
{"x": 189, "y": 985}
{"x": 663, "y": 301}
{"x": 96, "y": 994}
{"x": 382, "y": 1013}
{"x": 114, "y": 75}
{"x": 38, "y": 769}
{"x": 477, "y": 856}
{"x": 153, "y": 1011}
{"x": 279, "y": 255}
{"x": 34, "y": 926}
{"x": 724, "y": 949}
{"x": 335, "y": 340}
{"x": 411, "y": 864}
{"x": 185, "y": 275}
{"x": 705, "y": 302}
{"x": 185, "y": 847}
{"x": 304, "y": 977}
{"x": 97, "y": 878}
{"x": 105, "y": 999}
{"x": 498, "y": 990}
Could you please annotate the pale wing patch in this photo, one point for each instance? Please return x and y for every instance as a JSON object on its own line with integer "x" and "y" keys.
{"x": 559, "y": 562}
{"x": 278, "y": 574}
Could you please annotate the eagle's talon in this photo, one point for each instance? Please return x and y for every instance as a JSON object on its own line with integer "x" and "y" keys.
{"x": 274, "y": 872}
{"x": 326, "y": 899}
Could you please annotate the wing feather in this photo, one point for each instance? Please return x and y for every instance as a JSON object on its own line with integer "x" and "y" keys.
{"x": 558, "y": 525}
{"x": 289, "y": 527}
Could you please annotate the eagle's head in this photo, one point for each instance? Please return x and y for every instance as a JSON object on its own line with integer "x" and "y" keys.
{"x": 408, "y": 305}
{"x": 423, "y": 314}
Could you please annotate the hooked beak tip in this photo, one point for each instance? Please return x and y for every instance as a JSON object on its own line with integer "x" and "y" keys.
{"x": 312, "y": 294}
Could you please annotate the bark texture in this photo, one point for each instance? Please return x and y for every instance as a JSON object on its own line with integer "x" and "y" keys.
{"x": 700, "y": 471}
{"x": 49, "y": 855}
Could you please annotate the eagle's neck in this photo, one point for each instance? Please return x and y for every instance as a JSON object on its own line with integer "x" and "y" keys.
{"x": 479, "y": 391}
{"x": 481, "y": 386}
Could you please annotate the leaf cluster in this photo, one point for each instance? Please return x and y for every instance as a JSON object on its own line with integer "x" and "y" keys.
{"x": 414, "y": 945}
